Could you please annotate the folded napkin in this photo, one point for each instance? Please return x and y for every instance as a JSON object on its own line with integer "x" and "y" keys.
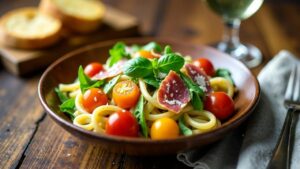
{"x": 251, "y": 147}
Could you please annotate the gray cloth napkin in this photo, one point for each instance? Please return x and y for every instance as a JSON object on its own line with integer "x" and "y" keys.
{"x": 253, "y": 149}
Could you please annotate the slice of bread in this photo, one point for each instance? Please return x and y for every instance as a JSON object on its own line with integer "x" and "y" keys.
{"x": 81, "y": 16}
{"x": 29, "y": 29}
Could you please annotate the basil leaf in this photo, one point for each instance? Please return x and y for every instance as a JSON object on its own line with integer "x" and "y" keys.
{"x": 62, "y": 97}
{"x": 196, "y": 101}
{"x": 117, "y": 52}
{"x": 168, "y": 50}
{"x": 138, "y": 67}
{"x": 140, "y": 116}
{"x": 191, "y": 85}
{"x": 68, "y": 107}
{"x": 225, "y": 73}
{"x": 85, "y": 82}
{"x": 152, "y": 46}
{"x": 183, "y": 128}
{"x": 108, "y": 86}
{"x": 169, "y": 62}
{"x": 150, "y": 80}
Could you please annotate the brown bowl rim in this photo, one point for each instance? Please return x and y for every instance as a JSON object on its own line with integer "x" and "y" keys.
{"x": 135, "y": 140}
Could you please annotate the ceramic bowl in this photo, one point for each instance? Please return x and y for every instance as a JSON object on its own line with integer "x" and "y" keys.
{"x": 64, "y": 70}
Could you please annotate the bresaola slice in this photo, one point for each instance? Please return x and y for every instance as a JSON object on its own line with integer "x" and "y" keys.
{"x": 172, "y": 93}
{"x": 115, "y": 70}
{"x": 199, "y": 77}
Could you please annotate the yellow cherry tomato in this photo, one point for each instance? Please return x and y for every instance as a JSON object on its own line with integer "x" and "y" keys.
{"x": 126, "y": 94}
{"x": 164, "y": 128}
{"x": 145, "y": 54}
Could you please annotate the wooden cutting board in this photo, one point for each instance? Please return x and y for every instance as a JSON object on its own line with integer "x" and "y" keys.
{"x": 116, "y": 24}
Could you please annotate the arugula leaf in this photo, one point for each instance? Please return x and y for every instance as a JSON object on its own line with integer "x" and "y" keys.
{"x": 168, "y": 50}
{"x": 108, "y": 86}
{"x": 196, "y": 101}
{"x": 85, "y": 82}
{"x": 183, "y": 128}
{"x": 169, "y": 62}
{"x": 191, "y": 85}
{"x": 138, "y": 67}
{"x": 117, "y": 52}
{"x": 139, "y": 114}
{"x": 62, "y": 97}
{"x": 68, "y": 107}
{"x": 225, "y": 73}
{"x": 195, "y": 91}
{"x": 150, "y": 80}
{"x": 152, "y": 46}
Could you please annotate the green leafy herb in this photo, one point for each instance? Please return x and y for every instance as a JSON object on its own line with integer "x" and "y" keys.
{"x": 138, "y": 67}
{"x": 150, "y": 80}
{"x": 191, "y": 85}
{"x": 139, "y": 114}
{"x": 135, "y": 80}
{"x": 195, "y": 92}
{"x": 108, "y": 86}
{"x": 68, "y": 107}
{"x": 168, "y": 50}
{"x": 86, "y": 82}
{"x": 183, "y": 128}
{"x": 225, "y": 73}
{"x": 117, "y": 52}
{"x": 62, "y": 97}
{"x": 169, "y": 62}
{"x": 152, "y": 46}
{"x": 196, "y": 101}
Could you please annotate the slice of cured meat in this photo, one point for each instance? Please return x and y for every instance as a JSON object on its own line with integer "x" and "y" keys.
{"x": 115, "y": 70}
{"x": 199, "y": 77}
{"x": 172, "y": 93}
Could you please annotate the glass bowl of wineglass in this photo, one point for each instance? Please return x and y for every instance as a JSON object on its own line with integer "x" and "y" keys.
{"x": 232, "y": 13}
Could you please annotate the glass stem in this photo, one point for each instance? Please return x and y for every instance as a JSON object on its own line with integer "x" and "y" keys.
{"x": 231, "y": 35}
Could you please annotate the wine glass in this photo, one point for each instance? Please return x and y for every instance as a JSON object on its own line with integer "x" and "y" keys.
{"x": 233, "y": 12}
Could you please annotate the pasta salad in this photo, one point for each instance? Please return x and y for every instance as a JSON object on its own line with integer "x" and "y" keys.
{"x": 148, "y": 91}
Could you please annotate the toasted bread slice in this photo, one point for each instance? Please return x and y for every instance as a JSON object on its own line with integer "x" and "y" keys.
{"x": 29, "y": 29}
{"x": 82, "y": 16}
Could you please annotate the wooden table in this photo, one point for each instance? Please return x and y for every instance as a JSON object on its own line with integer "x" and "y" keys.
{"x": 29, "y": 139}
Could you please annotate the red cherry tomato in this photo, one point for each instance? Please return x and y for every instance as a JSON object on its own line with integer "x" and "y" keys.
{"x": 122, "y": 123}
{"x": 205, "y": 65}
{"x": 93, "y": 68}
{"x": 93, "y": 98}
{"x": 220, "y": 104}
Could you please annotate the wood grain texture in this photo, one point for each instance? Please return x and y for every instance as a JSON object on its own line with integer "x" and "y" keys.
{"x": 22, "y": 127}
{"x": 20, "y": 116}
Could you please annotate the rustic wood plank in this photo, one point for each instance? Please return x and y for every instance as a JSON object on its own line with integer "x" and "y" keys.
{"x": 19, "y": 116}
{"x": 52, "y": 147}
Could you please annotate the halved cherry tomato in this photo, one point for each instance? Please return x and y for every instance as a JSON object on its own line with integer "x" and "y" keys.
{"x": 220, "y": 104}
{"x": 205, "y": 65}
{"x": 93, "y": 68}
{"x": 126, "y": 94}
{"x": 122, "y": 123}
{"x": 164, "y": 128}
{"x": 93, "y": 98}
{"x": 146, "y": 54}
